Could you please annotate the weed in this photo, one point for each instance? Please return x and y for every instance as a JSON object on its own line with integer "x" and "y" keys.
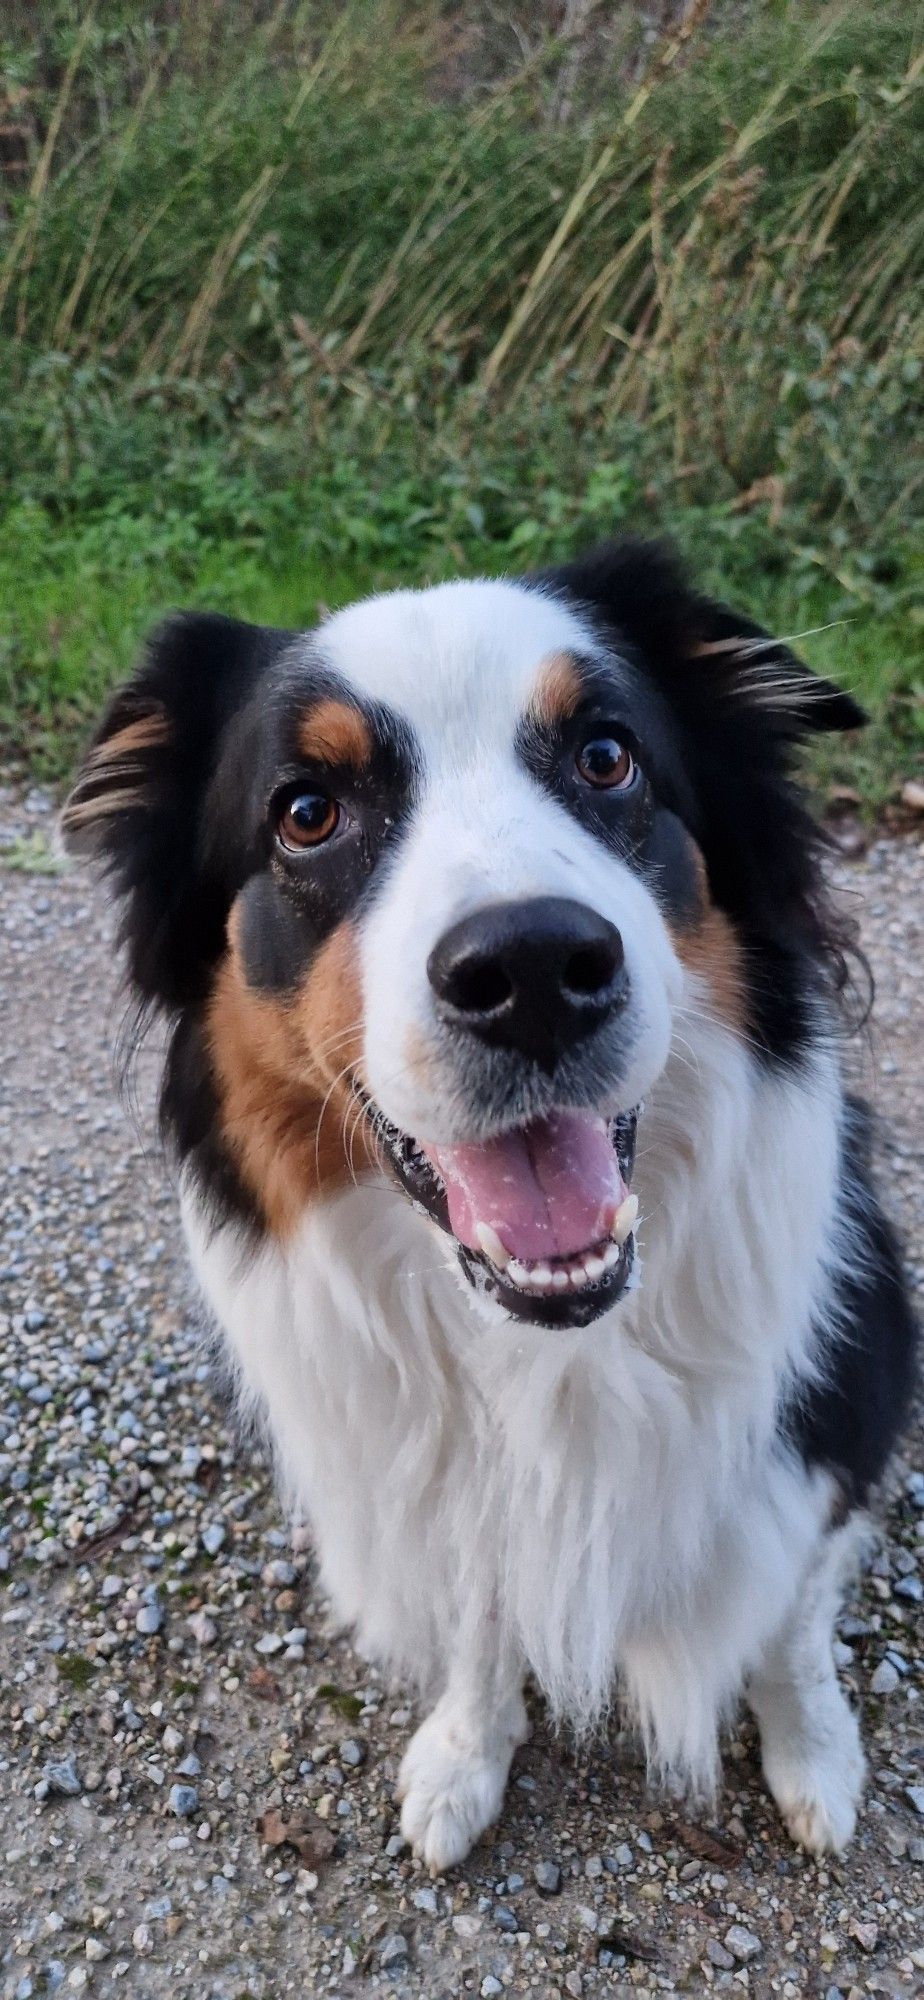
{"x": 75, "y": 1669}
{"x": 348, "y": 1705}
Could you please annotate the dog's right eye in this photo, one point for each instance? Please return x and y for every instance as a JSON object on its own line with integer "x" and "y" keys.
{"x": 307, "y": 821}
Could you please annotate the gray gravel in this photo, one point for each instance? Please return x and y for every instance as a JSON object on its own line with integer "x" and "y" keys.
{"x": 196, "y": 1773}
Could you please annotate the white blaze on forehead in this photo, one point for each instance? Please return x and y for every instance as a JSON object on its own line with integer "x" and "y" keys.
{"x": 459, "y": 660}
{"x": 460, "y": 663}
{"x": 481, "y": 833}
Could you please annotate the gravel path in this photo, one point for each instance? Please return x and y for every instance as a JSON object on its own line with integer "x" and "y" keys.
{"x": 168, "y": 1674}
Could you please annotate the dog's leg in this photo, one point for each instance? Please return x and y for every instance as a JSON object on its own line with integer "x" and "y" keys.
{"x": 810, "y": 1738}
{"x": 455, "y": 1770}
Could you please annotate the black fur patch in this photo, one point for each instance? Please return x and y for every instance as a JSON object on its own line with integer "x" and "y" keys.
{"x": 190, "y": 1124}
{"x": 848, "y": 1423}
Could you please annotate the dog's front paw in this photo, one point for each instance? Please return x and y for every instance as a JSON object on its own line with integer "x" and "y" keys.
{"x": 818, "y": 1792}
{"x": 452, "y": 1784}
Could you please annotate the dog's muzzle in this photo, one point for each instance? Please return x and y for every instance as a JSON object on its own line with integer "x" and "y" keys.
{"x": 542, "y": 1216}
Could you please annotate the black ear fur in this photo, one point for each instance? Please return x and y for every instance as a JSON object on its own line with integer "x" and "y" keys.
{"x": 767, "y": 673}
{"x": 639, "y": 591}
{"x": 138, "y": 797}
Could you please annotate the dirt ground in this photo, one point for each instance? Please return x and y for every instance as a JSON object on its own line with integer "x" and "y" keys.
{"x": 171, "y": 1687}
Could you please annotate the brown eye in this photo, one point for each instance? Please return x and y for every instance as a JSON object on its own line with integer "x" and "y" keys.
{"x": 308, "y": 820}
{"x": 606, "y": 763}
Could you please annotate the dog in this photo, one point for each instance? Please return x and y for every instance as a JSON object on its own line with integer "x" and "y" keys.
{"x": 504, "y": 1079}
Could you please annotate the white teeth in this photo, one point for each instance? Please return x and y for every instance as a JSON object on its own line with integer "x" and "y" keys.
{"x": 579, "y": 1271}
{"x": 625, "y": 1219}
{"x": 490, "y": 1243}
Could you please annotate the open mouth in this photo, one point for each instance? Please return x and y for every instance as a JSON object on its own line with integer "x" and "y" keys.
{"x": 542, "y": 1216}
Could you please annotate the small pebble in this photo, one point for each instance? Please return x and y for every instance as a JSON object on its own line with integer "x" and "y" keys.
{"x": 466, "y": 1924}
{"x": 183, "y": 1800}
{"x": 203, "y": 1628}
{"x": 885, "y": 1679}
{"x": 393, "y": 1952}
{"x": 742, "y": 1943}
{"x": 270, "y": 1643}
{"x": 61, "y": 1779}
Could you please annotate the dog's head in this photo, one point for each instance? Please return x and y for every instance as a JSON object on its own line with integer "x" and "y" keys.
{"x": 425, "y": 889}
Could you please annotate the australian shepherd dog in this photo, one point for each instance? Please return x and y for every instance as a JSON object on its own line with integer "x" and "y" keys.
{"x": 504, "y": 1083}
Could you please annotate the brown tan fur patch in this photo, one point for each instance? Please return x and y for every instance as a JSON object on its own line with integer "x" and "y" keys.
{"x": 110, "y": 777}
{"x": 331, "y": 732}
{"x": 705, "y": 649}
{"x": 287, "y": 1113}
{"x": 147, "y": 732}
{"x": 708, "y": 946}
{"x": 557, "y": 691}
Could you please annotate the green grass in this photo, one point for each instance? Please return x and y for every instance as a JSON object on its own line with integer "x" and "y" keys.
{"x": 76, "y": 1670}
{"x": 291, "y": 313}
{"x": 82, "y": 597}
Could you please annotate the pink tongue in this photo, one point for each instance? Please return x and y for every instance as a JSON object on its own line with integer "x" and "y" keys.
{"x": 549, "y": 1190}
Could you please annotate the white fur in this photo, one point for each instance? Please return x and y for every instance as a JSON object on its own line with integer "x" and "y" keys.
{"x": 607, "y": 1502}
{"x": 813, "y": 1758}
{"x": 601, "y": 1508}
{"x": 462, "y": 661}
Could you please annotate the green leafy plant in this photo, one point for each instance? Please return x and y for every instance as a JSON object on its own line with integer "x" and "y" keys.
{"x": 290, "y": 312}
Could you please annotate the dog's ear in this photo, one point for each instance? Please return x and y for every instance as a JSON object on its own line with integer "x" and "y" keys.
{"x": 699, "y": 648}
{"x": 139, "y": 795}
{"x": 755, "y": 669}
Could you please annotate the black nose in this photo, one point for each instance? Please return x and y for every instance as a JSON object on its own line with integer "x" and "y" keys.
{"x": 533, "y": 976}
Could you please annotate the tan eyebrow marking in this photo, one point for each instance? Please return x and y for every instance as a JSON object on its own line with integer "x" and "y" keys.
{"x": 332, "y": 732}
{"x": 557, "y": 692}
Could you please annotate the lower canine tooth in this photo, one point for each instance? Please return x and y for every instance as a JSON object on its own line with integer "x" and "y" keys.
{"x": 490, "y": 1243}
{"x": 625, "y": 1219}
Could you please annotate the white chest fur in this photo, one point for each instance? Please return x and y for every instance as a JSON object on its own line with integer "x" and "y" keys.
{"x": 606, "y": 1495}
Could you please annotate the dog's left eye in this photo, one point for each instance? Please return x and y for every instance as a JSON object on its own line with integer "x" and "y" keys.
{"x": 307, "y": 821}
{"x": 606, "y": 764}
